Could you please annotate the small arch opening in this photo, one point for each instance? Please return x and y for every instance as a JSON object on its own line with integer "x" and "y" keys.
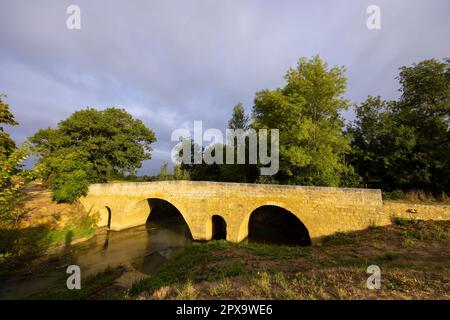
{"x": 219, "y": 228}
{"x": 108, "y": 218}
{"x": 276, "y": 225}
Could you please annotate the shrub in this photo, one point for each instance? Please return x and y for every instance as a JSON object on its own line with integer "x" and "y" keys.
{"x": 69, "y": 175}
{"x": 69, "y": 187}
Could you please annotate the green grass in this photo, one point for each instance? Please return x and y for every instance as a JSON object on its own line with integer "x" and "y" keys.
{"x": 272, "y": 251}
{"x": 78, "y": 229}
{"x": 389, "y": 256}
{"x": 339, "y": 238}
{"x": 436, "y": 233}
{"x": 404, "y": 221}
{"x": 188, "y": 266}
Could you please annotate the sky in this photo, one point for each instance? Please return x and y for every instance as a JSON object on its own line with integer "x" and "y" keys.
{"x": 171, "y": 62}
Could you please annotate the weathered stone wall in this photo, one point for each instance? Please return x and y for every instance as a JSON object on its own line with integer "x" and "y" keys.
{"x": 416, "y": 210}
{"x": 323, "y": 210}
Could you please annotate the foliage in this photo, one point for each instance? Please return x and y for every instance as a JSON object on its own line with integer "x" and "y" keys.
{"x": 306, "y": 111}
{"x": 7, "y": 145}
{"x": 238, "y": 172}
{"x": 380, "y": 146}
{"x": 12, "y": 178}
{"x": 164, "y": 172}
{"x": 239, "y": 120}
{"x": 91, "y": 146}
{"x": 68, "y": 175}
{"x": 180, "y": 174}
{"x": 405, "y": 144}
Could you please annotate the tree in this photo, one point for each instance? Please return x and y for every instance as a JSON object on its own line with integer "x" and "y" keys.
{"x": 180, "y": 174}
{"x": 306, "y": 111}
{"x": 91, "y": 146}
{"x": 69, "y": 175}
{"x": 405, "y": 144}
{"x": 238, "y": 172}
{"x": 164, "y": 172}
{"x": 239, "y": 119}
{"x": 12, "y": 177}
{"x": 7, "y": 145}
{"x": 424, "y": 107}
{"x": 381, "y": 147}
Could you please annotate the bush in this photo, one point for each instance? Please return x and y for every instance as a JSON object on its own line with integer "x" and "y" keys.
{"x": 394, "y": 195}
{"x": 70, "y": 176}
{"x": 69, "y": 187}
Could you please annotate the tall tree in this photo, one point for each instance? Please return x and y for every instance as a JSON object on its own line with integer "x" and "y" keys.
{"x": 7, "y": 145}
{"x": 306, "y": 111}
{"x": 239, "y": 119}
{"x": 425, "y": 107}
{"x": 102, "y": 143}
{"x": 12, "y": 176}
{"x": 164, "y": 172}
{"x": 381, "y": 147}
{"x": 238, "y": 172}
{"x": 405, "y": 144}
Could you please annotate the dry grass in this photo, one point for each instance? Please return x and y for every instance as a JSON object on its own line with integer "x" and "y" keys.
{"x": 222, "y": 288}
{"x": 417, "y": 196}
{"x": 413, "y": 257}
{"x": 186, "y": 292}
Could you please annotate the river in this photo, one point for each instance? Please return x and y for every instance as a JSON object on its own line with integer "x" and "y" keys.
{"x": 142, "y": 249}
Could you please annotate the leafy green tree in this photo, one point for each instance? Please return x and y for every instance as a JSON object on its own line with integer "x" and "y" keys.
{"x": 91, "y": 146}
{"x": 164, "y": 172}
{"x": 239, "y": 119}
{"x": 69, "y": 175}
{"x": 12, "y": 176}
{"x": 306, "y": 111}
{"x": 197, "y": 171}
{"x": 180, "y": 174}
{"x": 381, "y": 147}
{"x": 238, "y": 172}
{"x": 405, "y": 144}
{"x": 425, "y": 108}
{"x": 7, "y": 145}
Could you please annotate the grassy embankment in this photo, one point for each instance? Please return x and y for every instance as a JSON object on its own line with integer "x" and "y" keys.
{"x": 413, "y": 257}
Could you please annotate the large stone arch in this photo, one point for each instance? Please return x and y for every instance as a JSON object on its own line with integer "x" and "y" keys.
{"x": 141, "y": 210}
{"x": 244, "y": 226}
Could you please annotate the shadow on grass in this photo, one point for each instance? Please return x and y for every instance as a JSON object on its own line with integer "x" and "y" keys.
{"x": 20, "y": 247}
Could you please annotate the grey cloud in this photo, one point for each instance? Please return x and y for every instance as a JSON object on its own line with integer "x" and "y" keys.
{"x": 172, "y": 62}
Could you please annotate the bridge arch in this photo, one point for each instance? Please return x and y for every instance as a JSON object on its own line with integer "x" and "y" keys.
{"x": 145, "y": 210}
{"x": 104, "y": 216}
{"x": 275, "y": 223}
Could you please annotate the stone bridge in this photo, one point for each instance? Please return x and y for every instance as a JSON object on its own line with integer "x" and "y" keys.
{"x": 323, "y": 210}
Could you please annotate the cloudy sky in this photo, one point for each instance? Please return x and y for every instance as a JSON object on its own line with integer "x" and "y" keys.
{"x": 170, "y": 62}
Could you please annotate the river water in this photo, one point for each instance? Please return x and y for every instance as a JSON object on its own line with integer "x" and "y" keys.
{"x": 143, "y": 249}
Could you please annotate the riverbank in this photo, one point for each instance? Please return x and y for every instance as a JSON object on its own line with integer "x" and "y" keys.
{"x": 45, "y": 229}
{"x": 413, "y": 257}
